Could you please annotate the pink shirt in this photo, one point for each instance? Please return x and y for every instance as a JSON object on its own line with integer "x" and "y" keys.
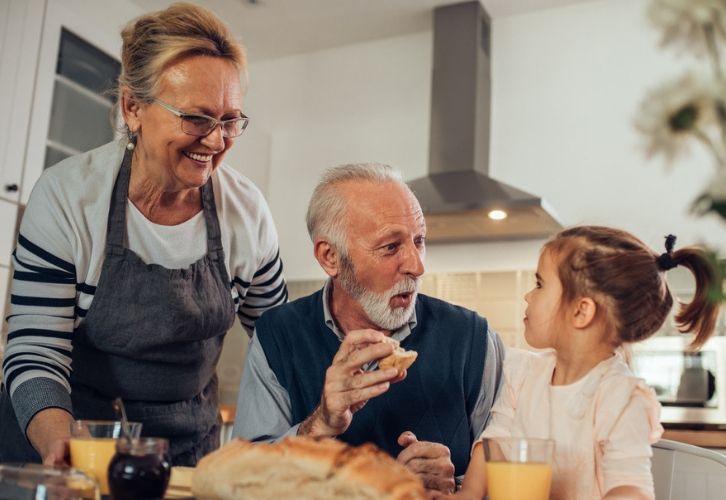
{"x": 603, "y": 424}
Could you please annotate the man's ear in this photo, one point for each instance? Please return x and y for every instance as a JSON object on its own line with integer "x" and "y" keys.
{"x": 328, "y": 257}
{"x": 130, "y": 110}
{"x": 584, "y": 312}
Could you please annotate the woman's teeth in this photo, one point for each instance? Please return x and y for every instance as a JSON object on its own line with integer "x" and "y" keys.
{"x": 197, "y": 156}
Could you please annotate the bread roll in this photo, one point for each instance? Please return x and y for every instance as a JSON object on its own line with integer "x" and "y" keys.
{"x": 302, "y": 467}
{"x": 400, "y": 359}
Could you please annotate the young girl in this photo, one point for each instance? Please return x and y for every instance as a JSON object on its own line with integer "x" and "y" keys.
{"x": 597, "y": 289}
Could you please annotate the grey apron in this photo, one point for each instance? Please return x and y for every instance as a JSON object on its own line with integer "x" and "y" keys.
{"x": 153, "y": 336}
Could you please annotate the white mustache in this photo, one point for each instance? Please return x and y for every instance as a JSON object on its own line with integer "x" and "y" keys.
{"x": 406, "y": 285}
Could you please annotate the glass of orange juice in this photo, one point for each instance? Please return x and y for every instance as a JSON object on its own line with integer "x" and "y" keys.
{"x": 93, "y": 444}
{"x": 518, "y": 468}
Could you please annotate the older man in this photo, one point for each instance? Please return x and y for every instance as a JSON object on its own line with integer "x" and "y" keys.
{"x": 311, "y": 366}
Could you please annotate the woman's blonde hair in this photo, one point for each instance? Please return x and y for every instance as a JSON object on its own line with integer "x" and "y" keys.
{"x": 155, "y": 41}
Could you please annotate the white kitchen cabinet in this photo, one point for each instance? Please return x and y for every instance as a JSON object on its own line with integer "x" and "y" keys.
{"x": 8, "y": 216}
{"x": 32, "y": 122}
{"x": 21, "y": 22}
{"x": 31, "y": 33}
{"x": 80, "y": 41}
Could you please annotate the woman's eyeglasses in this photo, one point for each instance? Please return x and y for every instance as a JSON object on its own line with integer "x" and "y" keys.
{"x": 203, "y": 125}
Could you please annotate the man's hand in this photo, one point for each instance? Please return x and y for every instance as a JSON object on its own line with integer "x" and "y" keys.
{"x": 347, "y": 387}
{"x": 430, "y": 461}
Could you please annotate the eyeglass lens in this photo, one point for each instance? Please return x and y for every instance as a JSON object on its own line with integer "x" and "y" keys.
{"x": 202, "y": 126}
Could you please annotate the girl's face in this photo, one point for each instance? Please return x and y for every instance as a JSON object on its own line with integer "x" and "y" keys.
{"x": 543, "y": 305}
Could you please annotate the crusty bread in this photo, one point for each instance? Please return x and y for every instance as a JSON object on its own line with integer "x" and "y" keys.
{"x": 302, "y": 467}
{"x": 400, "y": 359}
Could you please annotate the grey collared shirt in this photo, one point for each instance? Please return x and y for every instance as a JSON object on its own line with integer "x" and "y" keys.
{"x": 263, "y": 407}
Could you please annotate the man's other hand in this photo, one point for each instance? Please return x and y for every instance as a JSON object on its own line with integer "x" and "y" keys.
{"x": 431, "y": 461}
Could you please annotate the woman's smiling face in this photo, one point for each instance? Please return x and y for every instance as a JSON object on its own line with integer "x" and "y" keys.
{"x": 197, "y": 84}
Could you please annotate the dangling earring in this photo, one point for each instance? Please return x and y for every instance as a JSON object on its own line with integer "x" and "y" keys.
{"x": 132, "y": 140}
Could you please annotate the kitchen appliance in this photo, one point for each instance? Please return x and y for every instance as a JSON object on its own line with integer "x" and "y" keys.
{"x": 461, "y": 202}
{"x": 691, "y": 386}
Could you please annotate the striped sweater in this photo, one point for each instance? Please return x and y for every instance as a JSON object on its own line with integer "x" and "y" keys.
{"x": 58, "y": 259}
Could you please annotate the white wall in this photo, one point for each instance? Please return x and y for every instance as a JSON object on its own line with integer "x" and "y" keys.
{"x": 566, "y": 85}
{"x": 357, "y": 103}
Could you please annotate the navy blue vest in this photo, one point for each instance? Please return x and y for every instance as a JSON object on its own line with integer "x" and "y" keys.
{"x": 434, "y": 401}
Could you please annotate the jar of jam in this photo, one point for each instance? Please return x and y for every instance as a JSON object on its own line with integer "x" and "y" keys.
{"x": 140, "y": 469}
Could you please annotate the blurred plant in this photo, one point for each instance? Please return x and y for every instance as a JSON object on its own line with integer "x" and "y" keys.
{"x": 691, "y": 108}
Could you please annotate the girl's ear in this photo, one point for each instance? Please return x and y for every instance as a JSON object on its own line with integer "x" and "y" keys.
{"x": 584, "y": 312}
{"x": 328, "y": 257}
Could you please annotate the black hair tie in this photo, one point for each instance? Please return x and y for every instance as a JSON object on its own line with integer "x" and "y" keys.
{"x": 666, "y": 261}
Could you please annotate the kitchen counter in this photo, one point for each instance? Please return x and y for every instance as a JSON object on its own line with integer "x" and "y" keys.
{"x": 703, "y": 438}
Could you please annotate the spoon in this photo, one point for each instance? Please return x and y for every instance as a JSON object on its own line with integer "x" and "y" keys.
{"x": 118, "y": 406}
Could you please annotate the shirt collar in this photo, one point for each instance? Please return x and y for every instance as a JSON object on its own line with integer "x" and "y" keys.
{"x": 399, "y": 334}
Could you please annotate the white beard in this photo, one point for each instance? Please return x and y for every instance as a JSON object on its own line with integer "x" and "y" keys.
{"x": 377, "y": 306}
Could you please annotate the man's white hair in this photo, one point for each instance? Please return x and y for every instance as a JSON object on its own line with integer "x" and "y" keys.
{"x": 326, "y": 211}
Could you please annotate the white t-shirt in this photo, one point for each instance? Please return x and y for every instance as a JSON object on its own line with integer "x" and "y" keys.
{"x": 603, "y": 425}
{"x": 173, "y": 247}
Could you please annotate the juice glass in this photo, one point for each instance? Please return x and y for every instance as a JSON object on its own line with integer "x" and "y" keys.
{"x": 93, "y": 443}
{"x": 518, "y": 468}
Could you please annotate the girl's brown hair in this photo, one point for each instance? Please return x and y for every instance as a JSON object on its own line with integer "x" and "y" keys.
{"x": 627, "y": 279}
{"x": 154, "y": 41}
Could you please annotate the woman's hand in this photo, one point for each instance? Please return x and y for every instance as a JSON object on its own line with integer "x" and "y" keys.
{"x": 49, "y": 431}
{"x": 58, "y": 453}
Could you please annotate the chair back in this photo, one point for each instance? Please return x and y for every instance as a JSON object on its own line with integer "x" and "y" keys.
{"x": 683, "y": 471}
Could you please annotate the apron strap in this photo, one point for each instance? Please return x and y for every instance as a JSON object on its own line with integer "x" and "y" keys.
{"x": 214, "y": 233}
{"x": 116, "y": 227}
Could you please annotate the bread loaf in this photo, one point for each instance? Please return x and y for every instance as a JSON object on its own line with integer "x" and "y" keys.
{"x": 302, "y": 467}
{"x": 400, "y": 359}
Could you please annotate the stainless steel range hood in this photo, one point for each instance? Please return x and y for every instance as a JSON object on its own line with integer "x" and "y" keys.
{"x": 458, "y": 195}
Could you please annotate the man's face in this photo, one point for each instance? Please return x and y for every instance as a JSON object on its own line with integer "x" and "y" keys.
{"x": 386, "y": 246}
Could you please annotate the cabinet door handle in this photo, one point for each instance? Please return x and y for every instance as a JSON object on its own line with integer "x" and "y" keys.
{"x": 11, "y": 188}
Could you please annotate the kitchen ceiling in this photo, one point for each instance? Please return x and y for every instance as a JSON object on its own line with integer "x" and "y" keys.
{"x": 277, "y": 28}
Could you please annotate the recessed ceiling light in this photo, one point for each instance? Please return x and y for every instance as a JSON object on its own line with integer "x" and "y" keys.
{"x": 497, "y": 214}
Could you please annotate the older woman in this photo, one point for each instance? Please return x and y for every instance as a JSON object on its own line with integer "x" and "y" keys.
{"x": 132, "y": 259}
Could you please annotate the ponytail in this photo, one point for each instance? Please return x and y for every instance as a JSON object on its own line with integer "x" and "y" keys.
{"x": 699, "y": 316}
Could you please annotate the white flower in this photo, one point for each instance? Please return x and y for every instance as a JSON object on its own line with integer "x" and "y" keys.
{"x": 674, "y": 113}
{"x": 685, "y": 23}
